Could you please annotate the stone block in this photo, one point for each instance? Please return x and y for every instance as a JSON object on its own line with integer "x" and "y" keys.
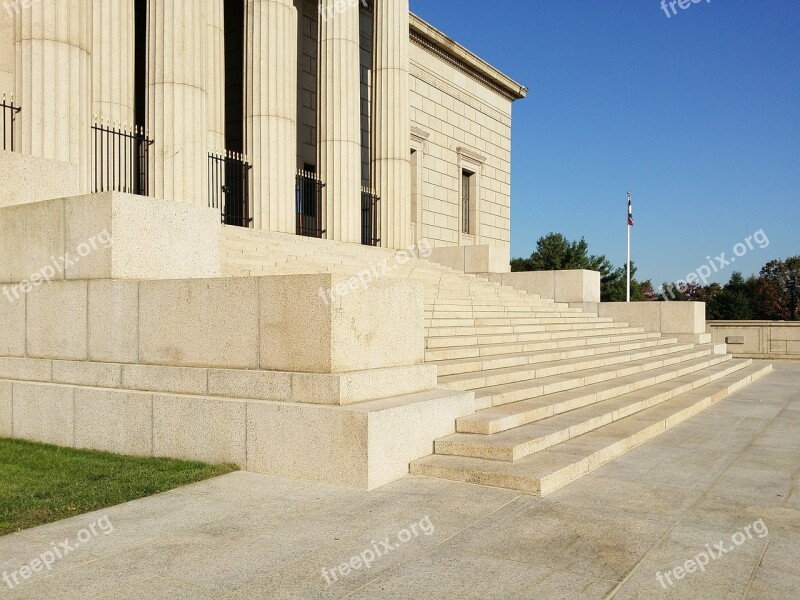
{"x": 114, "y": 421}
{"x": 25, "y": 369}
{"x": 205, "y": 429}
{"x": 113, "y": 321}
{"x": 158, "y": 239}
{"x": 487, "y": 259}
{"x": 25, "y": 179}
{"x": 683, "y": 317}
{"x": 258, "y": 385}
{"x": 31, "y": 238}
{"x": 92, "y": 374}
{"x": 44, "y": 413}
{"x": 362, "y": 446}
{"x": 109, "y": 235}
{"x": 200, "y": 322}
{"x": 577, "y": 285}
{"x": 56, "y": 324}
{"x": 12, "y": 323}
{"x": 6, "y": 409}
{"x": 637, "y": 314}
{"x": 303, "y": 329}
{"x": 176, "y": 380}
{"x": 304, "y": 441}
{"x": 361, "y": 386}
{"x": 734, "y": 339}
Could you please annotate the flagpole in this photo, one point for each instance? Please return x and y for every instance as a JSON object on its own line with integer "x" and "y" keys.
{"x": 628, "y": 268}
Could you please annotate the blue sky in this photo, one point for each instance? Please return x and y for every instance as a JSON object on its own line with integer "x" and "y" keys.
{"x": 698, "y": 115}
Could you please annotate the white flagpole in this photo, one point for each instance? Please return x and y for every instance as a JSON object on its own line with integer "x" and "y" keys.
{"x": 628, "y": 268}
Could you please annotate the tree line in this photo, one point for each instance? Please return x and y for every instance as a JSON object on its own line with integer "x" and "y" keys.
{"x": 773, "y": 295}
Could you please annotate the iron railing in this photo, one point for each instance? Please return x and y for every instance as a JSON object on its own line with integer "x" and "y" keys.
{"x": 370, "y": 218}
{"x": 229, "y": 187}
{"x": 121, "y": 155}
{"x": 9, "y": 116}
{"x": 310, "y": 216}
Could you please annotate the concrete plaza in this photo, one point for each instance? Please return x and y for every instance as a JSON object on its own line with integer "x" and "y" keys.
{"x": 709, "y": 480}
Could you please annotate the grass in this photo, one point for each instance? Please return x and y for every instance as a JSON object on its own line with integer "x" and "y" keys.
{"x": 41, "y": 483}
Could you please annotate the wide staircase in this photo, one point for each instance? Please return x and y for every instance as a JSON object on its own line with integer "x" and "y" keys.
{"x": 560, "y": 391}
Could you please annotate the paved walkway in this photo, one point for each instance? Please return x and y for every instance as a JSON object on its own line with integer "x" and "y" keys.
{"x": 729, "y": 475}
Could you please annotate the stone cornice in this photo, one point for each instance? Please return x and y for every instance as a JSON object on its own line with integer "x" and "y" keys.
{"x": 427, "y": 36}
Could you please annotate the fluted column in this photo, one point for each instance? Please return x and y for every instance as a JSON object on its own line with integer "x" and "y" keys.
{"x": 7, "y": 59}
{"x": 391, "y": 137}
{"x": 54, "y": 81}
{"x": 113, "y": 61}
{"x": 339, "y": 128}
{"x": 272, "y": 111}
{"x": 177, "y": 100}
{"x": 215, "y": 65}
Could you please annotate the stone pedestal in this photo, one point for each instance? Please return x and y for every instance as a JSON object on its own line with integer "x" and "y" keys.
{"x": 113, "y": 61}
{"x": 391, "y": 125}
{"x": 54, "y": 81}
{"x": 339, "y": 119}
{"x": 177, "y": 100}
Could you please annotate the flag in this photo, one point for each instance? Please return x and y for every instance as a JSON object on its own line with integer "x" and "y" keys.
{"x": 630, "y": 212}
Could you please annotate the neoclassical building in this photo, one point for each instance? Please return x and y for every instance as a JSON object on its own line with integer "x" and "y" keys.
{"x": 350, "y": 120}
{"x": 275, "y": 233}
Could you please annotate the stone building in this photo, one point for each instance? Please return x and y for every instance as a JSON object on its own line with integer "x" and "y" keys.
{"x": 275, "y": 233}
{"x": 351, "y": 120}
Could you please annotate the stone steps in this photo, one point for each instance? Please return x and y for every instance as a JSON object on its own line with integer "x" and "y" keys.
{"x": 558, "y": 390}
{"x": 521, "y": 441}
{"x": 516, "y": 338}
{"x": 550, "y": 469}
{"x": 515, "y": 414}
{"x": 508, "y": 375}
{"x": 449, "y": 353}
{"x": 511, "y": 359}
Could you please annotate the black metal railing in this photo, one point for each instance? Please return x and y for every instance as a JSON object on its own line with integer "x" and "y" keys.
{"x": 310, "y": 216}
{"x": 121, "y": 155}
{"x": 9, "y": 116}
{"x": 229, "y": 187}
{"x": 370, "y": 218}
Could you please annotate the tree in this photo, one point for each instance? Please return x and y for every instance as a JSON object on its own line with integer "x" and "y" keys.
{"x": 554, "y": 252}
{"x": 778, "y": 290}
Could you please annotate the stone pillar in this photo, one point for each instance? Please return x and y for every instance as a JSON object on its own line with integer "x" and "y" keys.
{"x": 272, "y": 111}
{"x": 177, "y": 100}
{"x": 339, "y": 116}
{"x": 7, "y": 59}
{"x": 391, "y": 128}
{"x": 215, "y": 64}
{"x": 54, "y": 81}
{"x": 113, "y": 61}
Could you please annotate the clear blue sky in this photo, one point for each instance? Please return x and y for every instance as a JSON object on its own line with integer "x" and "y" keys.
{"x": 698, "y": 115}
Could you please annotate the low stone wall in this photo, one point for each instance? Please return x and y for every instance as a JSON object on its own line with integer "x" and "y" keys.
{"x": 758, "y": 339}
{"x": 108, "y": 235}
{"x": 575, "y": 286}
{"x": 478, "y": 259}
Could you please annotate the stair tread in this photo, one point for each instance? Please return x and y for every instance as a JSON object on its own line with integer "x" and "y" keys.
{"x": 675, "y": 348}
{"x": 575, "y": 457}
{"x": 506, "y": 445}
{"x": 495, "y": 416}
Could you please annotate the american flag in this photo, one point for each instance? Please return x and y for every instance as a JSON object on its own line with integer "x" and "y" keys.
{"x": 630, "y": 212}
